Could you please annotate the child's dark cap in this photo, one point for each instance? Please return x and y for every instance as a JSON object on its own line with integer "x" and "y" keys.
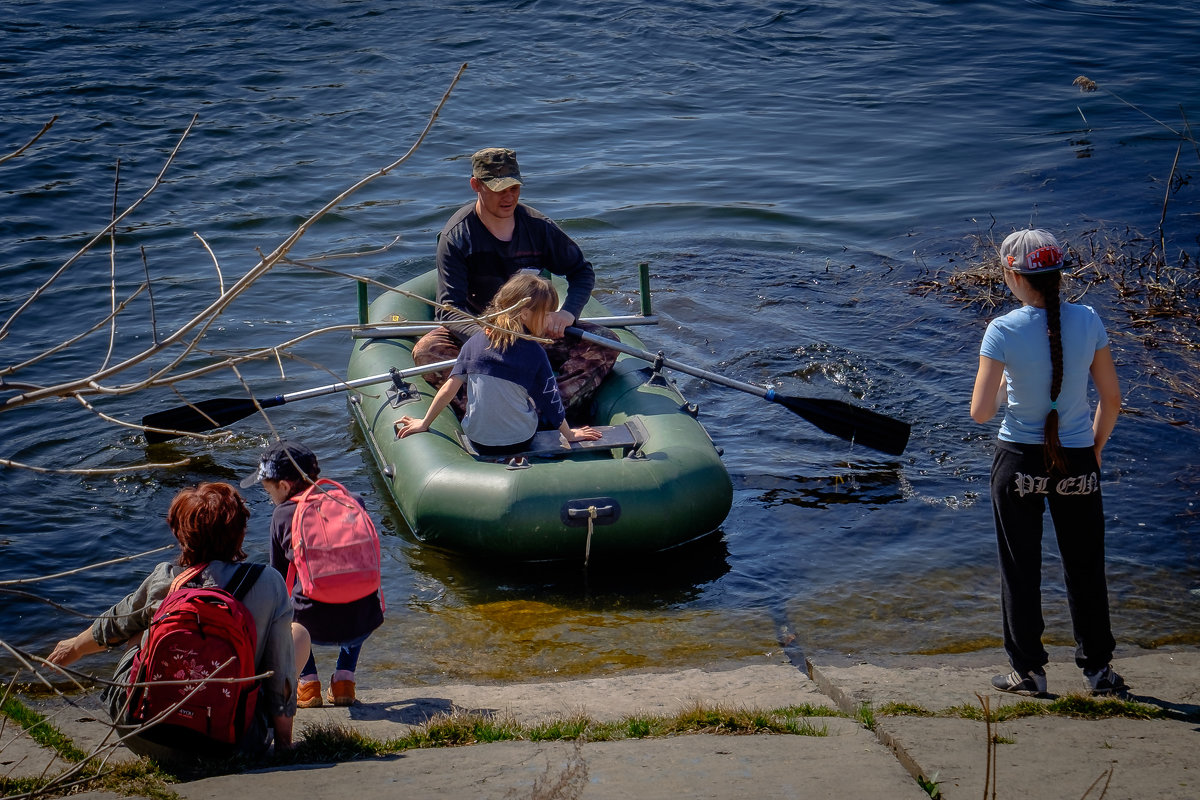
{"x": 284, "y": 461}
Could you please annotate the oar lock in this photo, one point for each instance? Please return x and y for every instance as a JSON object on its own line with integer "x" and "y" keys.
{"x": 657, "y": 376}
{"x": 401, "y": 391}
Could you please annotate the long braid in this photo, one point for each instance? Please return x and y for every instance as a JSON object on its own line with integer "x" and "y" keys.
{"x": 1047, "y": 284}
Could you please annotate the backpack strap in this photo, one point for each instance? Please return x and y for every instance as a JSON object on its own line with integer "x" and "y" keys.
{"x": 243, "y": 580}
{"x": 187, "y": 576}
{"x": 297, "y": 512}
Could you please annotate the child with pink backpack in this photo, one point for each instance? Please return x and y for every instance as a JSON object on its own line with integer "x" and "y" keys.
{"x": 326, "y": 546}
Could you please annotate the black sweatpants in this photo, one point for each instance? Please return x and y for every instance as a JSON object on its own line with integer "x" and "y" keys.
{"x": 1021, "y": 490}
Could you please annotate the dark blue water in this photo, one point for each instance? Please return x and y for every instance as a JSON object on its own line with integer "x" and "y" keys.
{"x": 793, "y": 172}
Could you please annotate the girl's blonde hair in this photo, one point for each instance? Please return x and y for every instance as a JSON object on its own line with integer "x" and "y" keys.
{"x": 543, "y": 299}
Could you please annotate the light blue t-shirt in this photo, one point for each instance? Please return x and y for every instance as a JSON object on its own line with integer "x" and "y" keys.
{"x": 1019, "y": 340}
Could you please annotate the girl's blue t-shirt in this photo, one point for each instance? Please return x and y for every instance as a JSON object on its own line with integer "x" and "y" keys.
{"x": 1019, "y": 340}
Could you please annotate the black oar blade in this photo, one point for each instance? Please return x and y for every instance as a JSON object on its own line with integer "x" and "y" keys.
{"x": 203, "y": 416}
{"x": 862, "y": 426}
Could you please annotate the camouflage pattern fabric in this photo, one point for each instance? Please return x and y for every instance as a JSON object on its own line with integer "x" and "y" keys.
{"x": 579, "y": 366}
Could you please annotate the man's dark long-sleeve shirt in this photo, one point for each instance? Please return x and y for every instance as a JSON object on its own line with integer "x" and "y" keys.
{"x": 473, "y": 264}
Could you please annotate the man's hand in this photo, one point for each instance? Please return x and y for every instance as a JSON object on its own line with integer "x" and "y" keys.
{"x": 557, "y": 322}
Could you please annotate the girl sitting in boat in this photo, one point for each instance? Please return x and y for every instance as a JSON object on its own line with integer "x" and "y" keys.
{"x": 511, "y": 389}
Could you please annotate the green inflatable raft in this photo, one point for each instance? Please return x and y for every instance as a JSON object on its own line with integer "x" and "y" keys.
{"x": 653, "y": 483}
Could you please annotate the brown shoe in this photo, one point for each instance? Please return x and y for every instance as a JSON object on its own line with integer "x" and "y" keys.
{"x": 340, "y": 693}
{"x": 308, "y": 695}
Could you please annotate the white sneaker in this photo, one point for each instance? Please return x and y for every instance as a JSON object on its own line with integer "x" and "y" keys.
{"x": 1032, "y": 683}
{"x": 1106, "y": 682}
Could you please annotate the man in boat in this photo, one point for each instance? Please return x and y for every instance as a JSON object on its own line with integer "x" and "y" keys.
{"x": 484, "y": 244}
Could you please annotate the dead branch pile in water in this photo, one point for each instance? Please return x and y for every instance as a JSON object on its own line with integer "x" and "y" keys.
{"x": 1148, "y": 294}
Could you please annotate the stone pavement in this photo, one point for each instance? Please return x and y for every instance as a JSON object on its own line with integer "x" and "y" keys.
{"x": 1051, "y": 757}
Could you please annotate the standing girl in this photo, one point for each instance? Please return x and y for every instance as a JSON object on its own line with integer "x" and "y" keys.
{"x": 1038, "y": 359}
{"x": 511, "y": 389}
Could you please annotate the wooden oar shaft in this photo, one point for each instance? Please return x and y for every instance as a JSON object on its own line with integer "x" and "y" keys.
{"x": 422, "y": 328}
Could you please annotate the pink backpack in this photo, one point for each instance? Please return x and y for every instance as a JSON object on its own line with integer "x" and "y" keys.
{"x": 198, "y": 633}
{"x": 335, "y": 547}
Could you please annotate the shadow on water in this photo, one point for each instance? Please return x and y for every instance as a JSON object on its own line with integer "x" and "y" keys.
{"x": 643, "y": 583}
{"x": 845, "y": 486}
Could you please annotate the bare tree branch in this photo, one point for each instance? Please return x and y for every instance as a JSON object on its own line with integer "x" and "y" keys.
{"x": 121, "y": 560}
{"x": 154, "y": 185}
{"x": 359, "y": 254}
{"x": 150, "y": 291}
{"x": 29, "y": 144}
{"x": 216, "y": 264}
{"x": 112, "y": 270}
{"x": 8, "y": 462}
{"x": 92, "y": 383}
{"x": 64, "y": 345}
{"x": 134, "y": 425}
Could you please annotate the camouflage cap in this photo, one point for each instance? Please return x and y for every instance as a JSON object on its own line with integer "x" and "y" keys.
{"x": 497, "y": 168}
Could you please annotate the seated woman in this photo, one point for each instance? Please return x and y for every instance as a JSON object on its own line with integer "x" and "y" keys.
{"x": 209, "y": 521}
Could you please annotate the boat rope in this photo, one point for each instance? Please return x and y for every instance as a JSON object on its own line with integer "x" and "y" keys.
{"x": 587, "y": 551}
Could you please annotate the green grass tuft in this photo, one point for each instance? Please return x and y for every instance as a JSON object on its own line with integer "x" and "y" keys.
{"x": 642, "y": 727}
{"x": 930, "y": 785}
{"x": 143, "y": 778}
{"x": 1084, "y": 707}
{"x": 904, "y": 710}
{"x": 865, "y": 714}
{"x": 1070, "y": 705}
{"x": 567, "y": 729}
{"x": 327, "y": 743}
{"x": 40, "y": 730}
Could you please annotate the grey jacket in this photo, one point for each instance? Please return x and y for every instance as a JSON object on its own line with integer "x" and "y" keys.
{"x": 267, "y": 601}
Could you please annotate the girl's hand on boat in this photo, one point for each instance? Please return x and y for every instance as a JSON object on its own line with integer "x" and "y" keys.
{"x": 407, "y": 425}
{"x": 585, "y": 433}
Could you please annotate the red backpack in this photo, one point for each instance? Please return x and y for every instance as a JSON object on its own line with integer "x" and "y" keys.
{"x": 198, "y": 633}
{"x": 335, "y": 547}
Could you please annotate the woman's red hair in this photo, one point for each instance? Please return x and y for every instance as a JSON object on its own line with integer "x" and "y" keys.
{"x": 210, "y": 523}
